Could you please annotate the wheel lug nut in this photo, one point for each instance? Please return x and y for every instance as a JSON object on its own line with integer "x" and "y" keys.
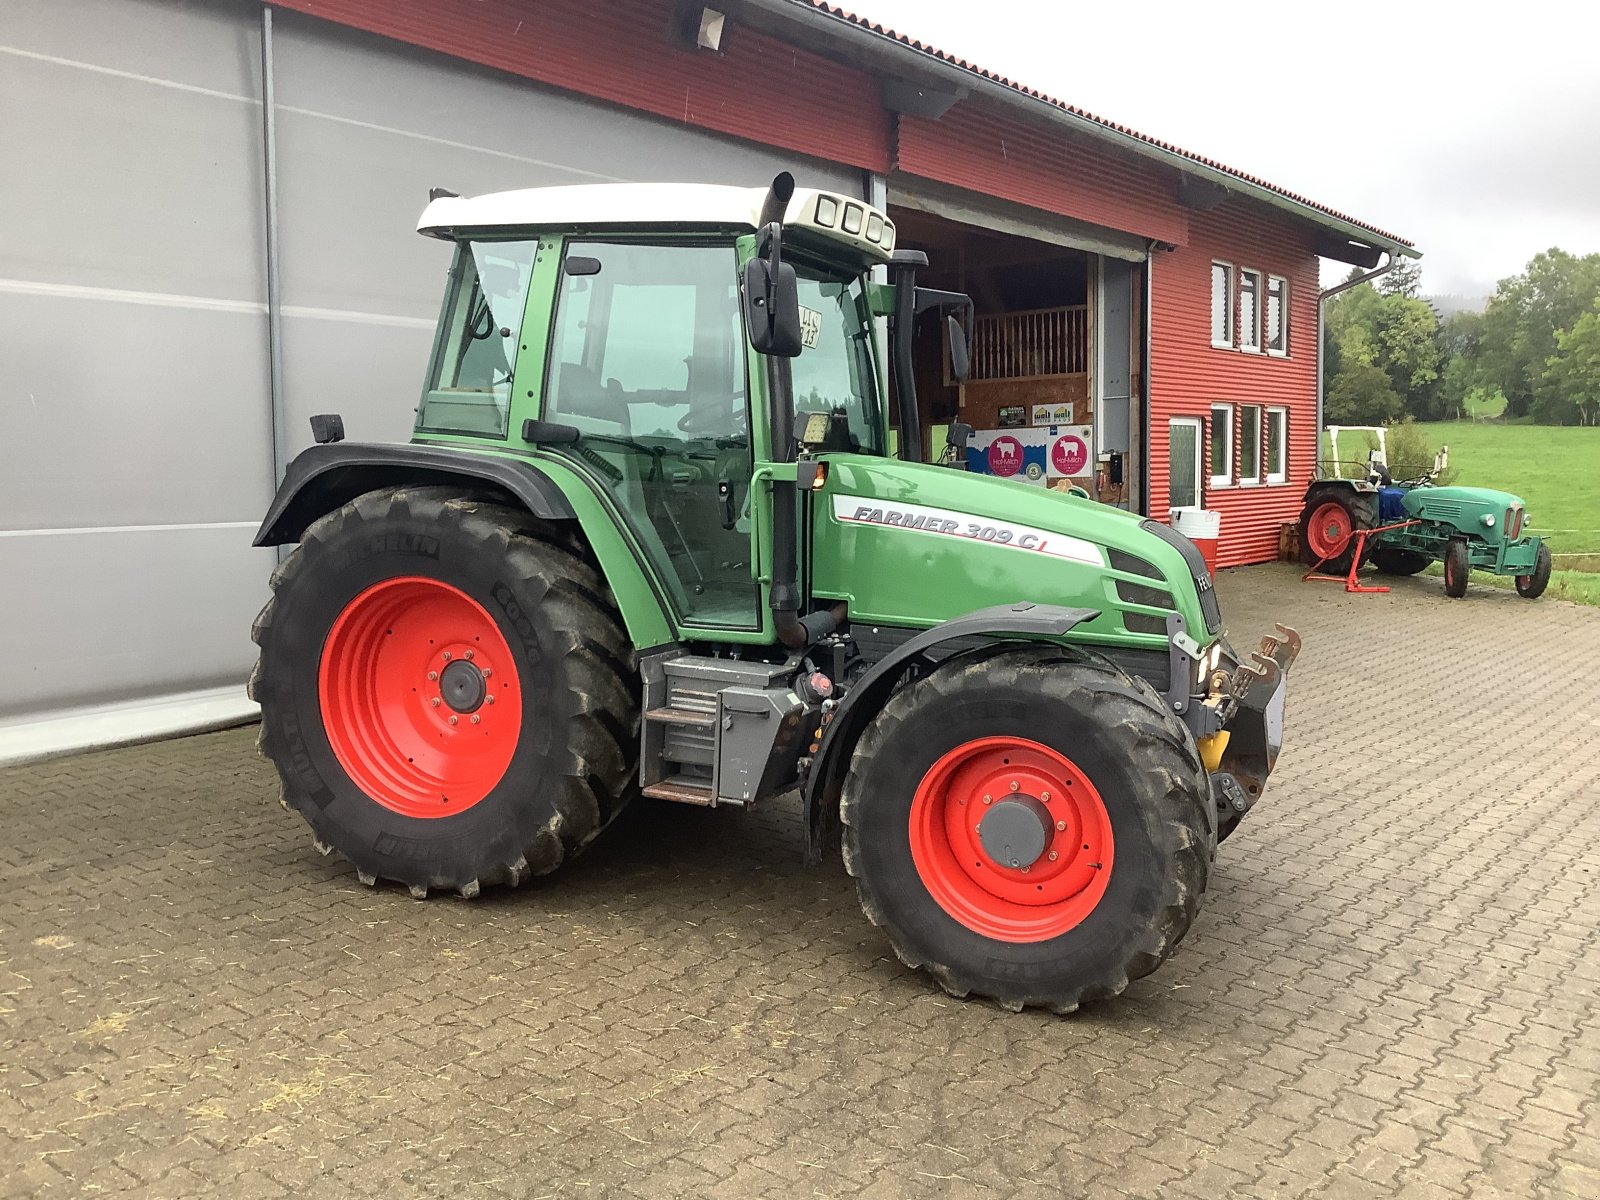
{"x": 988, "y": 799}
{"x": 1024, "y": 870}
{"x": 447, "y": 656}
{"x": 467, "y": 655}
{"x": 488, "y": 699}
{"x": 434, "y": 702}
{"x": 1015, "y": 785}
{"x": 476, "y": 718}
{"x": 455, "y": 720}
{"x": 432, "y": 675}
{"x": 1054, "y": 856}
{"x": 1045, "y": 796}
{"x": 1061, "y": 825}
{"x": 487, "y": 672}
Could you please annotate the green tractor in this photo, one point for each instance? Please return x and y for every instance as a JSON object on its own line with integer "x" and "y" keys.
{"x": 1415, "y": 522}
{"x": 648, "y": 540}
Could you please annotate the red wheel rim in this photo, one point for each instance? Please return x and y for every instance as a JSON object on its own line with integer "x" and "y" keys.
{"x": 1033, "y": 900}
{"x": 403, "y": 658}
{"x": 1328, "y": 532}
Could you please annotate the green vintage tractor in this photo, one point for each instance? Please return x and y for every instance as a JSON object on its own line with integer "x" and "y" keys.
{"x": 1414, "y": 523}
{"x": 647, "y": 540}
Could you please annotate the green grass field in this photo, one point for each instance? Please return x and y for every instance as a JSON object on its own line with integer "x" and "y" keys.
{"x": 1556, "y": 471}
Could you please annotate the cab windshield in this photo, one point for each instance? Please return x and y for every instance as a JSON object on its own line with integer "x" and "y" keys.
{"x": 835, "y": 373}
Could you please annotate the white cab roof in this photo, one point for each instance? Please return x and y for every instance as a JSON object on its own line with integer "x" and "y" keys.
{"x": 653, "y": 206}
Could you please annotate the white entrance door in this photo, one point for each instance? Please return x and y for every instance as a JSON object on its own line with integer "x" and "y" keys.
{"x": 1183, "y": 478}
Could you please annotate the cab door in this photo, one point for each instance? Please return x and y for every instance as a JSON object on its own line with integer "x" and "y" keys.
{"x": 648, "y": 361}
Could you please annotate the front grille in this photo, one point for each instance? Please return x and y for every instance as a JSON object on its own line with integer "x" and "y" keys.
{"x": 1209, "y": 608}
{"x": 1514, "y": 522}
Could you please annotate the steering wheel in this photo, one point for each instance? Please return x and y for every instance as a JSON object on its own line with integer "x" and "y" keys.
{"x": 707, "y": 422}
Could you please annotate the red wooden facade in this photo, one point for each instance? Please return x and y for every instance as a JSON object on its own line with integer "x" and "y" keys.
{"x": 1188, "y": 375}
{"x": 623, "y": 52}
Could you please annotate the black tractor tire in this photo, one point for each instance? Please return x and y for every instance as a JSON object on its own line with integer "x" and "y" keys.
{"x": 1391, "y": 560}
{"x": 1457, "y": 567}
{"x": 1360, "y": 512}
{"x": 1531, "y": 587}
{"x": 1115, "y": 731}
{"x": 568, "y": 717}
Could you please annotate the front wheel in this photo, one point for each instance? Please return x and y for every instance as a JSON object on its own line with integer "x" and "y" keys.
{"x": 1457, "y": 566}
{"x": 1030, "y": 825}
{"x": 1532, "y": 586}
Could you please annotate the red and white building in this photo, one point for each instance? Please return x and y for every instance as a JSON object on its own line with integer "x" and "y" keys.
{"x": 1164, "y": 302}
{"x": 226, "y": 193}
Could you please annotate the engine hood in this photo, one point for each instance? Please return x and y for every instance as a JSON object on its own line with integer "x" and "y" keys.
{"x": 914, "y": 544}
{"x": 1423, "y": 500}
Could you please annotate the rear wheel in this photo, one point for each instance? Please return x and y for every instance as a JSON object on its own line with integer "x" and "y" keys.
{"x": 1391, "y": 560}
{"x": 1457, "y": 566}
{"x": 1329, "y": 522}
{"x": 449, "y": 698}
{"x": 1532, "y": 586}
{"x": 1030, "y": 825}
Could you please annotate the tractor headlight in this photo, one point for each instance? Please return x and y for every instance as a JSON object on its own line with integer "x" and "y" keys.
{"x": 1488, "y": 520}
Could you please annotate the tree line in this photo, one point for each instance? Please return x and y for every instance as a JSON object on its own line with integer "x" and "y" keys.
{"x": 1533, "y": 352}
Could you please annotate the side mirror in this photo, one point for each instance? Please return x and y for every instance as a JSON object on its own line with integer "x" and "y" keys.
{"x": 772, "y": 308}
{"x": 960, "y": 362}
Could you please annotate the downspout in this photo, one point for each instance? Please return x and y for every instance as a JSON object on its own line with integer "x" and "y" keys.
{"x": 1144, "y": 382}
{"x": 1322, "y": 298}
{"x": 269, "y": 142}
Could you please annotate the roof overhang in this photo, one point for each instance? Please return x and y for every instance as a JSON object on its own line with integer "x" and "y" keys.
{"x": 857, "y": 43}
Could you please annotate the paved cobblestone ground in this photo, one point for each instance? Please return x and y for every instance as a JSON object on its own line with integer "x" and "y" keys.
{"x": 1392, "y": 989}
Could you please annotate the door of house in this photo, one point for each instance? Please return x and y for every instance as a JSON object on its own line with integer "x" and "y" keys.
{"x": 1183, "y": 464}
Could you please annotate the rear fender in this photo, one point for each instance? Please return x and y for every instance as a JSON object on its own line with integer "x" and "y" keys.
{"x": 867, "y": 696}
{"x": 325, "y": 477}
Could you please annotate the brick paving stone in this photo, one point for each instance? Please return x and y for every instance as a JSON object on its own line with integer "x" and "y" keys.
{"x": 1393, "y": 990}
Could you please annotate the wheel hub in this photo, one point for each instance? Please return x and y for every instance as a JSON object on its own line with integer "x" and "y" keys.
{"x": 462, "y": 686}
{"x": 1015, "y": 832}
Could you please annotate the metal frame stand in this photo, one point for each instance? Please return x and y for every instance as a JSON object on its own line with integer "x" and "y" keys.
{"x": 1350, "y": 582}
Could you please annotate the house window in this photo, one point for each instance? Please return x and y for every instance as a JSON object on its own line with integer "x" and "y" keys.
{"x": 1277, "y": 445}
{"x": 1221, "y": 445}
{"x": 1277, "y": 333}
{"x": 1183, "y": 448}
{"x": 1221, "y": 304}
{"x": 1250, "y": 310}
{"x": 1249, "y": 443}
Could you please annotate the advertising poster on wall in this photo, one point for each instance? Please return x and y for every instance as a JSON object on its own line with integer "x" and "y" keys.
{"x": 1038, "y": 455}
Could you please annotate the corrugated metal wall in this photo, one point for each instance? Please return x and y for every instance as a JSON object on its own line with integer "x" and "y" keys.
{"x": 1188, "y": 375}
{"x": 134, "y": 400}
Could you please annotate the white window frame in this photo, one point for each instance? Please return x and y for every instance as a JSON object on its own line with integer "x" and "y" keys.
{"x": 1283, "y": 317}
{"x": 1226, "y": 478}
{"x": 1230, "y": 286}
{"x": 1281, "y": 475}
{"x": 1199, "y": 458}
{"x": 1254, "y": 345}
{"x": 1252, "y": 480}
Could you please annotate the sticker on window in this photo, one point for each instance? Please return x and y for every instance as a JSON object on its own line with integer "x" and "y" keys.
{"x": 810, "y": 327}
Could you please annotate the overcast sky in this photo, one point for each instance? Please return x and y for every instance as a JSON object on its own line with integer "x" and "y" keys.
{"x": 1471, "y": 129}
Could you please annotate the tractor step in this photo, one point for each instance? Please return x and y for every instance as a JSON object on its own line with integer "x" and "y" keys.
{"x": 682, "y": 716}
{"x": 681, "y": 790}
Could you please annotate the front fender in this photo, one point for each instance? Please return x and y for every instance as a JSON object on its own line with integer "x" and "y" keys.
{"x": 867, "y": 695}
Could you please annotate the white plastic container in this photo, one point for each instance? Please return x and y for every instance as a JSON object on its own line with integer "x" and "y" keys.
{"x": 1202, "y": 527}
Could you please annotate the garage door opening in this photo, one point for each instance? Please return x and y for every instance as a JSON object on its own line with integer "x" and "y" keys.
{"x": 1038, "y": 382}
